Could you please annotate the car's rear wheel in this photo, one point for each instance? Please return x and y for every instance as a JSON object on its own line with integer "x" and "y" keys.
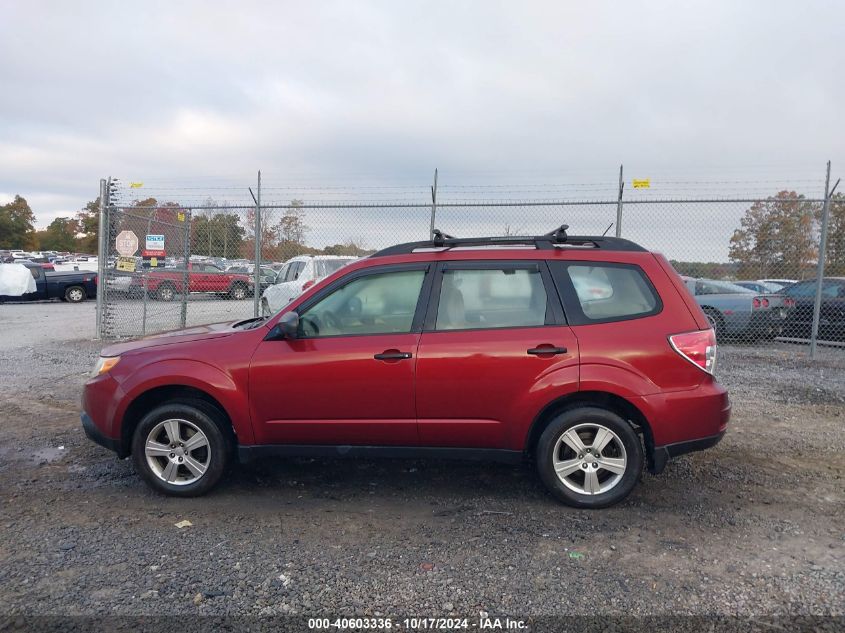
{"x": 238, "y": 292}
{"x": 589, "y": 457}
{"x": 165, "y": 292}
{"x": 181, "y": 449}
{"x": 75, "y": 294}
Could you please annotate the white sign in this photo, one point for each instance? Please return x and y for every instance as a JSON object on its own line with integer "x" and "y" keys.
{"x": 155, "y": 243}
{"x": 126, "y": 243}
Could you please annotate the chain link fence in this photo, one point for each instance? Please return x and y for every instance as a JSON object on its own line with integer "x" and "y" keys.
{"x": 178, "y": 256}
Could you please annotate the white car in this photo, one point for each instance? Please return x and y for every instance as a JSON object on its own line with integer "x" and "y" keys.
{"x": 297, "y": 275}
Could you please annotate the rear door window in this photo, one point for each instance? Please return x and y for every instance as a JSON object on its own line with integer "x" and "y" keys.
{"x": 597, "y": 292}
{"x": 491, "y": 298}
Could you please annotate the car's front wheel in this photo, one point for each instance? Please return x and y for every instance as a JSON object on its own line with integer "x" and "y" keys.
{"x": 589, "y": 457}
{"x": 181, "y": 448}
{"x": 238, "y": 292}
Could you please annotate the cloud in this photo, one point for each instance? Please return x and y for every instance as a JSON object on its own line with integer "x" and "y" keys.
{"x": 381, "y": 93}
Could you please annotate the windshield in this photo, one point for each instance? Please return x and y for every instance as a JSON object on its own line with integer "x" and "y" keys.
{"x": 710, "y": 287}
{"x": 325, "y": 267}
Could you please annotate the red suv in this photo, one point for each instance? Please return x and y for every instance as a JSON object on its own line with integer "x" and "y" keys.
{"x": 585, "y": 354}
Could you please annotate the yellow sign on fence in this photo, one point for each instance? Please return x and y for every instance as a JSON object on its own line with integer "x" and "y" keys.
{"x": 645, "y": 183}
{"x": 126, "y": 264}
{"x": 136, "y": 185}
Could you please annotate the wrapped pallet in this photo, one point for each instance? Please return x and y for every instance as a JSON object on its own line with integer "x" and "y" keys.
{"x": 15, "y": 280}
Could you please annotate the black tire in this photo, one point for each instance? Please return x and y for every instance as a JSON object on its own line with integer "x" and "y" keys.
{"x": 75, "y": 294}
{"x": 207, "y": 419}
{"x": 717, "y": 321}
{"x": 238, "y": 291}
{"x": 166, "y": 292}
{"x": 625, "y": 434}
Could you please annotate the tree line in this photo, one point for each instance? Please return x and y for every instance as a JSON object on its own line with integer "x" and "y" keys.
{"x": 777, "y": 236}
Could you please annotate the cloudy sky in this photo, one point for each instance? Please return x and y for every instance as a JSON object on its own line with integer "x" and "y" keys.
{"x": 186, "y": 94}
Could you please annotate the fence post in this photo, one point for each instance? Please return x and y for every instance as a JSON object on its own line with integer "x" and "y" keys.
{"x": 433, "y": 205}
{"x": 186, "y": 247}
{"x": 814, "y": 333}
{"x": 102, "y": 255}
{"x": 256, "y": 288}
{"x": 619, "y": 205}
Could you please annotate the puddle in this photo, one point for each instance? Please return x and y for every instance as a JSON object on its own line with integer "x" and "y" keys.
{"x": 49, "y": 455}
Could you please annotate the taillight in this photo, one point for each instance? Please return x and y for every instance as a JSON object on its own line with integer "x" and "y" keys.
{"x": 308, "y": 284}
{"x": 699, "y": 348}
{"x": 789, "y": 303}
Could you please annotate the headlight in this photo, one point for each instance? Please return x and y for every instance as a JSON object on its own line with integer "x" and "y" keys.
{"x": 104, "y": 364}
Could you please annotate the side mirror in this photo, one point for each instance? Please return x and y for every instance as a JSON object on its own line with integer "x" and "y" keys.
{"x": 287, "y": 327}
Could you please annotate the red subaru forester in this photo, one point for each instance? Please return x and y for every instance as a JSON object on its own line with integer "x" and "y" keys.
{"x": 585, "y": 354}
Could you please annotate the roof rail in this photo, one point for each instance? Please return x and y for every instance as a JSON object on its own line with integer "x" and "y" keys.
{"x": 553, "y": 239}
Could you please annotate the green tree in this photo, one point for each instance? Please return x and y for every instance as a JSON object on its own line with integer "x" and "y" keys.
{"x": 88, "y": 227}
{"x": 60, "y": 235}
{"x": 776, "y": 237}
{"x": 17, "y": 225}
{"x": 218, "y": 235}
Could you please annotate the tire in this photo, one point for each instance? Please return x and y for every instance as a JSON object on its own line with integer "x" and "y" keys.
{"x": 75, "y": 294}
{"x": 717, "y": 322}
{"x": 238, "y": 292}
{"x": 590, "y": 487}
{"x": 181, "y": 475}
{"x": 165, "y": 292}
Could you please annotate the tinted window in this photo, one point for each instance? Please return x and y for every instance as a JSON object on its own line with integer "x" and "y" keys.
{"x": 375, "y": 304}
{"x": 294, "y": 268}
{"x": 491, "y": 298}
{"x": 605, "y": 292}
{"x": 325, "y": 267}
{"x": 807, "y": 289}
{"x": 709, "y": 287}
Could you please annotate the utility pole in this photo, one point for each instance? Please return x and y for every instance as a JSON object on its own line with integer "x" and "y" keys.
{"x": 828, "y": 193}
{"x": 256, "y": 290}
{"x": 433, "y": 205}
{"x": 619, "y": 204}
{"x": 102, "y": 255}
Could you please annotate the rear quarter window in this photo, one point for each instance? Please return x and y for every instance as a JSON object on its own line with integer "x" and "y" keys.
{"x": 597, "y": 292}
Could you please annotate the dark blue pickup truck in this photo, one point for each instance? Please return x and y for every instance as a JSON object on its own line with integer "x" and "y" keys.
{"x": 67, "y": 286}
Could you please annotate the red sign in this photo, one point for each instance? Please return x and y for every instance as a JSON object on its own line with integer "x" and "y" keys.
{"x": 152, "y": 253}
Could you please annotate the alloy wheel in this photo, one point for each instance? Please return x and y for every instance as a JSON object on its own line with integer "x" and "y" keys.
{"x": 177, "y": 452}
{"x": 589, "y": 459}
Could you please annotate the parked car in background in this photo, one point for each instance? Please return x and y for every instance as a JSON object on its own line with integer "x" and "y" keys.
{"x": 799, "y": 324}
{"x": 436, "y": 349}
{"x": 267, "y": 275}
{"x": 758, "y": 286}
{"x": 165, "y": 284}
{"x": 72, "y": 287}
{"x": 738, "y": 312}
{"x": 298, "y": 274}
{"x": 777, "y": 284}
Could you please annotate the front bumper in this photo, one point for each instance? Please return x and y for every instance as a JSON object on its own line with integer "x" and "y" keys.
{"x": 95, "y": 435}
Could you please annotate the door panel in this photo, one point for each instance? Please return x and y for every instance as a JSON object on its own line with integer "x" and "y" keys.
{"x": 348, "y": 375}
{"x": 481, "y": 388}
{"x": 494, "y": 353}
{"x": 333, "y": 391}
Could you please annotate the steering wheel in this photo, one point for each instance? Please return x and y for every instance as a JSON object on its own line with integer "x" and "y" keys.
{"x": 331, "y": 320}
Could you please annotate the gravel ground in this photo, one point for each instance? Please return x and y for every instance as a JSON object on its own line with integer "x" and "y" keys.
{"x": 754, "y": 526}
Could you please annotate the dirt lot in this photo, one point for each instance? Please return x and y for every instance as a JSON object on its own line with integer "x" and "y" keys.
{"x": 754, "y": 526}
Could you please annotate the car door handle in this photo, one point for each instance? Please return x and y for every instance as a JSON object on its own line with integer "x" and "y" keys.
{"x": 543, "y": 350}
{"x": 392, "y": 355}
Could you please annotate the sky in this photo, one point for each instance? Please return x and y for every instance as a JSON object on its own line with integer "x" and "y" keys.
{"x": 362, "y": 100}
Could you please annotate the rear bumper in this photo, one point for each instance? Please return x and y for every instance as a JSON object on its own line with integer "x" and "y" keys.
{"x": 95, "y": 435}
{"x": 663, "y": 454}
